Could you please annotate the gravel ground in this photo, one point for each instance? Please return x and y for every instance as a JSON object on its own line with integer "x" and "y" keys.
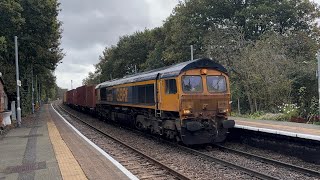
{"x": 192, "y": 166}
{"x": 198, "y": 168}
{"x": 139, "y": 166}
{"x": 273, "y": 155}
{"x": 260, "y": 166}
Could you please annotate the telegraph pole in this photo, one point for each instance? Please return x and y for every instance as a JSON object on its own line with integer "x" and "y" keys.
{"x": 37, "y": 92}
{"x": 18, "y": 82}
{"x": 39, "y": 95}
{"x": 318, "y": 57}
{"x": 32, "y": 91}
{"x": 191, "y": 46}
{"x": 71, "y": 84}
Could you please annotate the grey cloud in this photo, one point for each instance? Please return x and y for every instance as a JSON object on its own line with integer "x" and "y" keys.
{"x": 89, "y": 26}
{"x": 74, "y": 68}
{"x": 102, "y": 22}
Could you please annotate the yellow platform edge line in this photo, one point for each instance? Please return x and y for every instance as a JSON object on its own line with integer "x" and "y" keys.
{"x": 69, "y": 166}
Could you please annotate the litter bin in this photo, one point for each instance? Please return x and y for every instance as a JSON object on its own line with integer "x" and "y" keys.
{"x": 6, "y": 120}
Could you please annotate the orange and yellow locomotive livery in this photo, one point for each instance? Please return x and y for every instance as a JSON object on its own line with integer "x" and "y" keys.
{"x": 187, "y": 101}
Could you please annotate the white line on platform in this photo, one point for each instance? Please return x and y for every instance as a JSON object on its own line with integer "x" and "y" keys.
{"x": 285, "y": 133}
{"x": 116, "y": 163}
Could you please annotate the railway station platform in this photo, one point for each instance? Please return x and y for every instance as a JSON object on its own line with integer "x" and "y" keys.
{"x": 46, "y": 147}
{"x": 299, "y": 130}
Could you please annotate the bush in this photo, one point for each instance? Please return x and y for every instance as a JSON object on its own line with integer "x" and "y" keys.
{"x": 288, "y": 111}
{"x": 256, "y": 115}
{"x": 270, "y": 116}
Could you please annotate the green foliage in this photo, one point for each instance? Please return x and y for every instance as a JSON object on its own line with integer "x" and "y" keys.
{"x": 313, "y": 115}
{"x": 288, "y": 111}
{"x": 256, "y": 115}
{"x": 3, "y": 44}
{"x": 268, "y": 46}
{"x": 270, "y": 116}
{"x": 38, "y": 30}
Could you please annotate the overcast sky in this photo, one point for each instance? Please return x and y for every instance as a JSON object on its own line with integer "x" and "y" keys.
{"x": 90, "y": 26}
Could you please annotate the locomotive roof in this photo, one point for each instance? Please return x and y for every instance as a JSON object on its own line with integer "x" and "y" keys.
{"x": 165, "y": 72}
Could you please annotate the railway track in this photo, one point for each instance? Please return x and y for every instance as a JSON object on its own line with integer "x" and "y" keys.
{"x": 156, "y": 173}
{"x": 229, "y": 164}
{"x": 273, "y": 161}
{"x": 248, "y": 171}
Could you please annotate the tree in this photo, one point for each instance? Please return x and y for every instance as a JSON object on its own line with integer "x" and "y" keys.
{"x": 38, "y": 30}
{"x": 268, "y": 46}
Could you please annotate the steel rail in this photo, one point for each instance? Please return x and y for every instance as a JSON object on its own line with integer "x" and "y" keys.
{"x": 229, "y": 164}
{"x": 171, "y": 171}
{"x": 291, "y": 166}
{"x": 203, "y": 155}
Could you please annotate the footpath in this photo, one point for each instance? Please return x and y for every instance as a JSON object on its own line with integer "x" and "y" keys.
{"x": 37, "y": 151}
{"x": 308, "y": 131}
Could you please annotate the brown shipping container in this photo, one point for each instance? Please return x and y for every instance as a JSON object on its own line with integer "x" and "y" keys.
{"x": 74, "y": 97}
{"x": 91, "y": 97}
{"x": 65, "y": 97}
{"x": 70, "y": 96}
{"x": 81, "y": 96}
{"x": 67, "y": 93}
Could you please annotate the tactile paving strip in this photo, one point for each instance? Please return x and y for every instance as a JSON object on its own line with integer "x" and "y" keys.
{"x": 69, "y": 167}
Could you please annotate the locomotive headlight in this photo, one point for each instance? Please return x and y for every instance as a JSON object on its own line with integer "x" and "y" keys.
{"x": 223, "y": 110}
{"x": 186, "y": 112}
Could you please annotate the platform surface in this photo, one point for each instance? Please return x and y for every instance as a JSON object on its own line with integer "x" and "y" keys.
{"x": 93, "y": 163}
{"x": 27, "y": 152}
{"x": 45, "y": 147}
{"x": 308, "y": 131}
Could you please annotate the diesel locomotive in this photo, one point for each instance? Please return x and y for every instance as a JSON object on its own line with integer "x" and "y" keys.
{"x": 188, "y": 102}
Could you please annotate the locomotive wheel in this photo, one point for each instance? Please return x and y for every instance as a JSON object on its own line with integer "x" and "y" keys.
{"x": 222, "y": 135}
{"x": 178, "y": 139}
{"x": 139, "y": 126}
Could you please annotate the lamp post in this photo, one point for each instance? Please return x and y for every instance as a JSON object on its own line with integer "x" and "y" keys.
{"x": 318, "y": 57}
{"x": 18, "y": 82}
{"x": 32, "y": 90}
{"x": 191, "y": 49}
{"x": 37, "y": 92}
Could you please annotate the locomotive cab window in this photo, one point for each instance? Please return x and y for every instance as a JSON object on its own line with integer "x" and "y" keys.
{"x": 171, "y": 86}
{"x": 216, "y": 84}
{"x": 191, "y": 84}
{"x": 103, "y": 94}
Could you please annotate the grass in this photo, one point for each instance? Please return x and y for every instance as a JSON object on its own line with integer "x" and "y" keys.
{"x": 317, "y": 123}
